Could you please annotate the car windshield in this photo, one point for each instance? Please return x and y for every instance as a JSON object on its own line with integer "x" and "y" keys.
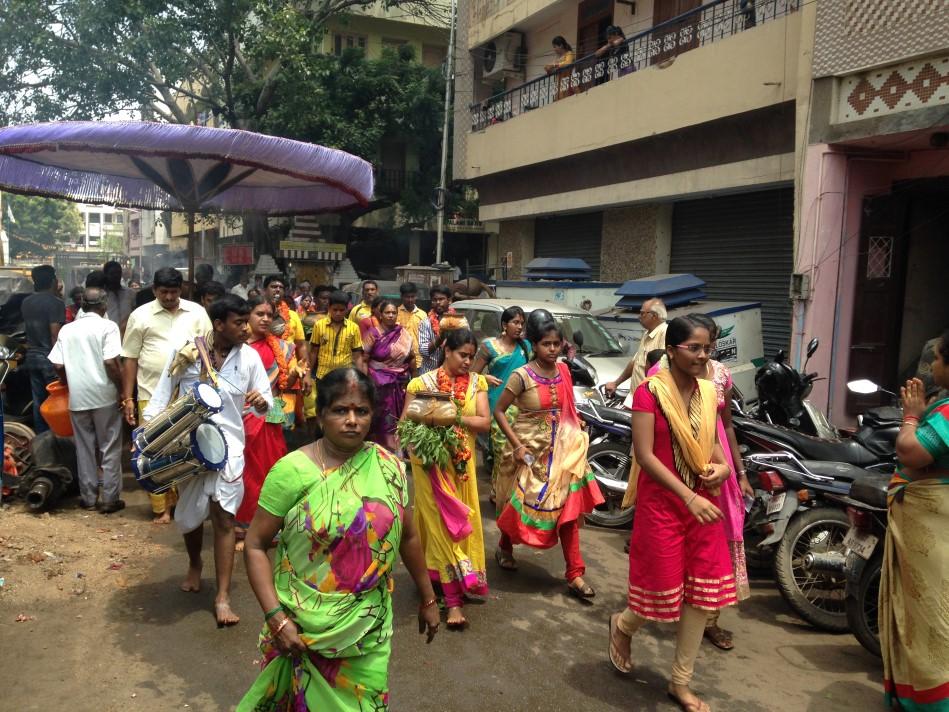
{"x": 597, "y": 341}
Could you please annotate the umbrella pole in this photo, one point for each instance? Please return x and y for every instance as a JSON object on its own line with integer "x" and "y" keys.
{"x": 191, "y": 254}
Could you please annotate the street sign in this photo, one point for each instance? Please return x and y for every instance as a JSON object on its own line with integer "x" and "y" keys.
{"x": 240, "y": 253}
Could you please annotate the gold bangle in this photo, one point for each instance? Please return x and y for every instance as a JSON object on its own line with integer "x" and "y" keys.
{"x": 427, "y": 604}
{"x": 283, "y": 624}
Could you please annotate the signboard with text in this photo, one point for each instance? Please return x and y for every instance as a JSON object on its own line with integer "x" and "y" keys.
{"x": 240, "y": 253}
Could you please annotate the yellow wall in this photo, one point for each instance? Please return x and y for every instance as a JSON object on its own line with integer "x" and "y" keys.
{"x": 748, "y": 71}
{"x": 375, "y": 29}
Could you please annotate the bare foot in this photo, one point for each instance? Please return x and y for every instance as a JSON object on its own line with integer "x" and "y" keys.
{"x": 239, "y": 545}
{"x": 192, "y": 582}
{"x": 224, "y": 614}
{"x": 163, "y": 518}
{"x": 686, "y": 699}
{"x": 456, "y": 619}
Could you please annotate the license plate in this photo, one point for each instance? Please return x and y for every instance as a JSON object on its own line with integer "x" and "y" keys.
{"x": 777, "y": 502}
{"x": 861, "y": 543}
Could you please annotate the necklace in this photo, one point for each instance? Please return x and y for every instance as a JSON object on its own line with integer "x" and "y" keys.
{"x": 318, "y": 455}
{"x": 219, "y": 358}
{"x": 546, "y": 374}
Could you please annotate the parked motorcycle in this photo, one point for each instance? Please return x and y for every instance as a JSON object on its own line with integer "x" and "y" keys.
{"x": 796, "y": 514}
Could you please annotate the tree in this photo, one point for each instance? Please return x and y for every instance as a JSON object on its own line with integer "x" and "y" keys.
{"x": 39, "y": 224}
{"x": 244, "y": 61}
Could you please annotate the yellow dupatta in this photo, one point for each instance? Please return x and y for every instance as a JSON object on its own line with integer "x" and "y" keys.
{"x": 693, "y": 432}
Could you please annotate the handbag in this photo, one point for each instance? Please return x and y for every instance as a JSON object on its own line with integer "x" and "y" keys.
{"x": 432, "y": 408}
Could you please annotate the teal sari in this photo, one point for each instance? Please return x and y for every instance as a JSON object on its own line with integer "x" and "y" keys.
{"x": 501, "y": 364}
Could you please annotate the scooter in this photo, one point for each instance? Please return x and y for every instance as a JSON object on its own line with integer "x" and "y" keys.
{"x": 796, "y": 513}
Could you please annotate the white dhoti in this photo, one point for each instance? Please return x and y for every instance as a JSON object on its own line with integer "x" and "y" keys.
{"x": 196, "y": 494}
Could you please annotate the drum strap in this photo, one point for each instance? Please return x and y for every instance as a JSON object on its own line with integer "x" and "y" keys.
{"x": 201, "y": 344}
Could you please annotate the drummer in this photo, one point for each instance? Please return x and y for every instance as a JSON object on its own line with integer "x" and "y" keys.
{"x": 241, "y": 379}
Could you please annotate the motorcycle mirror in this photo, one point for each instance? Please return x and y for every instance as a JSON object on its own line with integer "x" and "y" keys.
{"x": 812, "y": 347}
{"x": 779, "y": 357}
{"x": 863, "y": 386}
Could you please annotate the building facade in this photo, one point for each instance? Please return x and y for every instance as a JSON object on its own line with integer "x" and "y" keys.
{"x": 873, "y": 236}
{"x": 674, "y": 151}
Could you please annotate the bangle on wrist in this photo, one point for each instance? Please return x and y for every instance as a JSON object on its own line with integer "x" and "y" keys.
{"x": 427, "y": 604}
{"x": 689, "y": 501}
{"x": 283, "y": 624}
{"x": 272, "y": 612}
{"x": 519, "y": 447}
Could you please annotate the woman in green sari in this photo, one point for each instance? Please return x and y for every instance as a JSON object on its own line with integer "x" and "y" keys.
{"x": 914, "y": 585}
{"x": 340, "y": 504}
{"x": 497, "y": 359}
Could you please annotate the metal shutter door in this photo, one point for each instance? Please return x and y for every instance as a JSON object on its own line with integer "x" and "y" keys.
{"x": 743, "y": 247}
{"x": 577, "y": 235}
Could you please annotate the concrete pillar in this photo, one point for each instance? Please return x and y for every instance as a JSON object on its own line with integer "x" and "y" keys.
{"x": 516, "y": 237}
{"x": 415, "y": 248}
{"x": 636, "y": 242}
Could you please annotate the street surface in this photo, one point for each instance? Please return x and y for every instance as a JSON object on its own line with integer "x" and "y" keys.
{"x": 123, "y": 637}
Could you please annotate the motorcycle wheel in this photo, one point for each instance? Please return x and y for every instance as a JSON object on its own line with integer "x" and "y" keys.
{"x": 863, "y": 607}
{"x": 611, "y": 461}
{"x": 818, "y": 598}
{"x": 18, "y": 437}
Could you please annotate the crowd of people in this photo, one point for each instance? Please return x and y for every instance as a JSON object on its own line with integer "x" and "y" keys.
{"x": 378, "y": 388}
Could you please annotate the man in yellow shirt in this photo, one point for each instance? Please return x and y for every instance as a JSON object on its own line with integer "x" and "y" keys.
{"x": 411, "y": 317}
{"x": 335, "y": 342}
{"x": 370, "y": 290}
{"x": 275, "y": 290}
{"x": 152, "y": 332}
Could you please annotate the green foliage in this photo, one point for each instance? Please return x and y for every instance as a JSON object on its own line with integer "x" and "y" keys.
{"x": 41, "y": 223}
{"x": 432, "y": 445}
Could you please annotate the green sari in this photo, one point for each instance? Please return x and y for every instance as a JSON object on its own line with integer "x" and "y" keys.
{"x": 914, "y": 585}
{"x": 332, "y": 571}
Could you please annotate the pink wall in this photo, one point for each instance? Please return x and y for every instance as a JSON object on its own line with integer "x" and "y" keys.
{"x": 834, "y": 186}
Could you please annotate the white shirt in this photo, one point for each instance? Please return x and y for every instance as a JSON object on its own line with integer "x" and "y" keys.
{"x": 240, "y": 290}
{"x": 242, "y": 372}
{"x": 83, "y": 347}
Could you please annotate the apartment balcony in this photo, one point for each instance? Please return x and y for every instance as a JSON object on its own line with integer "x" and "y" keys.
{"x": 716, "y": 61}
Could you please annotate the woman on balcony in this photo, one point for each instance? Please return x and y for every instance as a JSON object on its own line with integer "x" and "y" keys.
{"x": 565, "y": 57}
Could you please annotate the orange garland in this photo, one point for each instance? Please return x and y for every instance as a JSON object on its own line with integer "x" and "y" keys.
{"x": 283, "y": 371}
{"x": 458, "y": 387}
{"x": 285, "y": 315}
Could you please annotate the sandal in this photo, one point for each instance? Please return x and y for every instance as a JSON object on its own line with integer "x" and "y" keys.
{"x": 615, "y": 627}
{"x": 505, "y": 560}
{"x": 719, "y": 637}
{"x": 584, "y": 592}
{"x": 700, "y": 706}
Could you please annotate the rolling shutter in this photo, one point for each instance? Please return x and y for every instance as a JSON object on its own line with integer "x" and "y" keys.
{"x": 743, "y": 247}
{"x": 577, "y": 235}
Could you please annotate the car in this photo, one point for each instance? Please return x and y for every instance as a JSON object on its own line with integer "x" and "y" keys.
{"x": 599, "y": 347}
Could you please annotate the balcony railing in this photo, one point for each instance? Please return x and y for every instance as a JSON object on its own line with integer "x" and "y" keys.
{"x": 704, "y": 25}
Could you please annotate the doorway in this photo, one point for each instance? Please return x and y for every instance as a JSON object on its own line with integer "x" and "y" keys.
{"x": 593, "y": 17}
{"x": 665, "y": 10}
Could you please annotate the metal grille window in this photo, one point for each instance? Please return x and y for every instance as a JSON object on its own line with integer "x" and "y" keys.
{"x": 880, "y": 258}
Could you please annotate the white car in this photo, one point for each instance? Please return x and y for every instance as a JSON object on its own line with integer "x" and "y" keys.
{"x": 603, "y": 351}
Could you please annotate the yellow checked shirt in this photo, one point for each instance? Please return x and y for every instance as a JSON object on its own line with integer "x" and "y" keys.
{"x": 412, "y": 321}
{"x": 336, "y": 345}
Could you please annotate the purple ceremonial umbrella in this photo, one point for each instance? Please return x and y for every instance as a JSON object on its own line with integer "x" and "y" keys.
{"x": 180, "y": 168}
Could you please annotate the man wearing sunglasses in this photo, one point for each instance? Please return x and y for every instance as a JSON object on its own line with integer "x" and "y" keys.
{"x": 652, "y": 316}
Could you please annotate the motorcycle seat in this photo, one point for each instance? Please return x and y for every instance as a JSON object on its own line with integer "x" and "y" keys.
{"x": 613, "y": 415}
{"x": 871, "y": 490}
{"x": 841, "y": 471}
{"x": 849, "y": 451}
{"x": 883, "y": 416}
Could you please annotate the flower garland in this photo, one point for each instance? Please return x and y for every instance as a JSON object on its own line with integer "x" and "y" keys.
{"x": 284, "y": 311}
{"x": 458, "y": 387}
{"x": 283, "y": 370}
{"x": 435, "y": 320}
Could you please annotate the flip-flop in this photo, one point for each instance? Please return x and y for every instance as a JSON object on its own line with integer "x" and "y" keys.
{"x": 616, "y": 665}
{"x": 506, "y": 561}
{"x": 700, "y": 706}
{"x": 584, "y": 594}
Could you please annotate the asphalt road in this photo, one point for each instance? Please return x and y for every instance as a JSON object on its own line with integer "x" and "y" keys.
{"x": 144, "y": 645}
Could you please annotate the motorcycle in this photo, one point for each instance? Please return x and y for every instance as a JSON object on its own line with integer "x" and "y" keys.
{"x": 862, "y": 559}
{"x": 610, "y": 442}
{"x": 794, "y": 515}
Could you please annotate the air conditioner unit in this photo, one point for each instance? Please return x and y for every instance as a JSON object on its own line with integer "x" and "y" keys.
{"x": 503, "y": 56}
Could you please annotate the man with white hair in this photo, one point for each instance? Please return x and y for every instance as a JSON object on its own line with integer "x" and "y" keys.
{"x": 652, "y": 316}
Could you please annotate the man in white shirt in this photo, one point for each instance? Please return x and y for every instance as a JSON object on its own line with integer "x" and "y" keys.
{"x": 241, "y": 381}
{"x": 652, "y": 317}
{"x": 86, "y": 358}
{"x": 240, "y": 289}
{"x": 154, "y": 330}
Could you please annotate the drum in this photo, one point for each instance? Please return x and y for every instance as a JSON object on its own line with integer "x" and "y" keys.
{"x": 156, "y": 437}
{"x": 204, "y": 450}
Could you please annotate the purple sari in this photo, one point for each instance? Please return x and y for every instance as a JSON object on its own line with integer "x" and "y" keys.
{"x": 391, "y": 355}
